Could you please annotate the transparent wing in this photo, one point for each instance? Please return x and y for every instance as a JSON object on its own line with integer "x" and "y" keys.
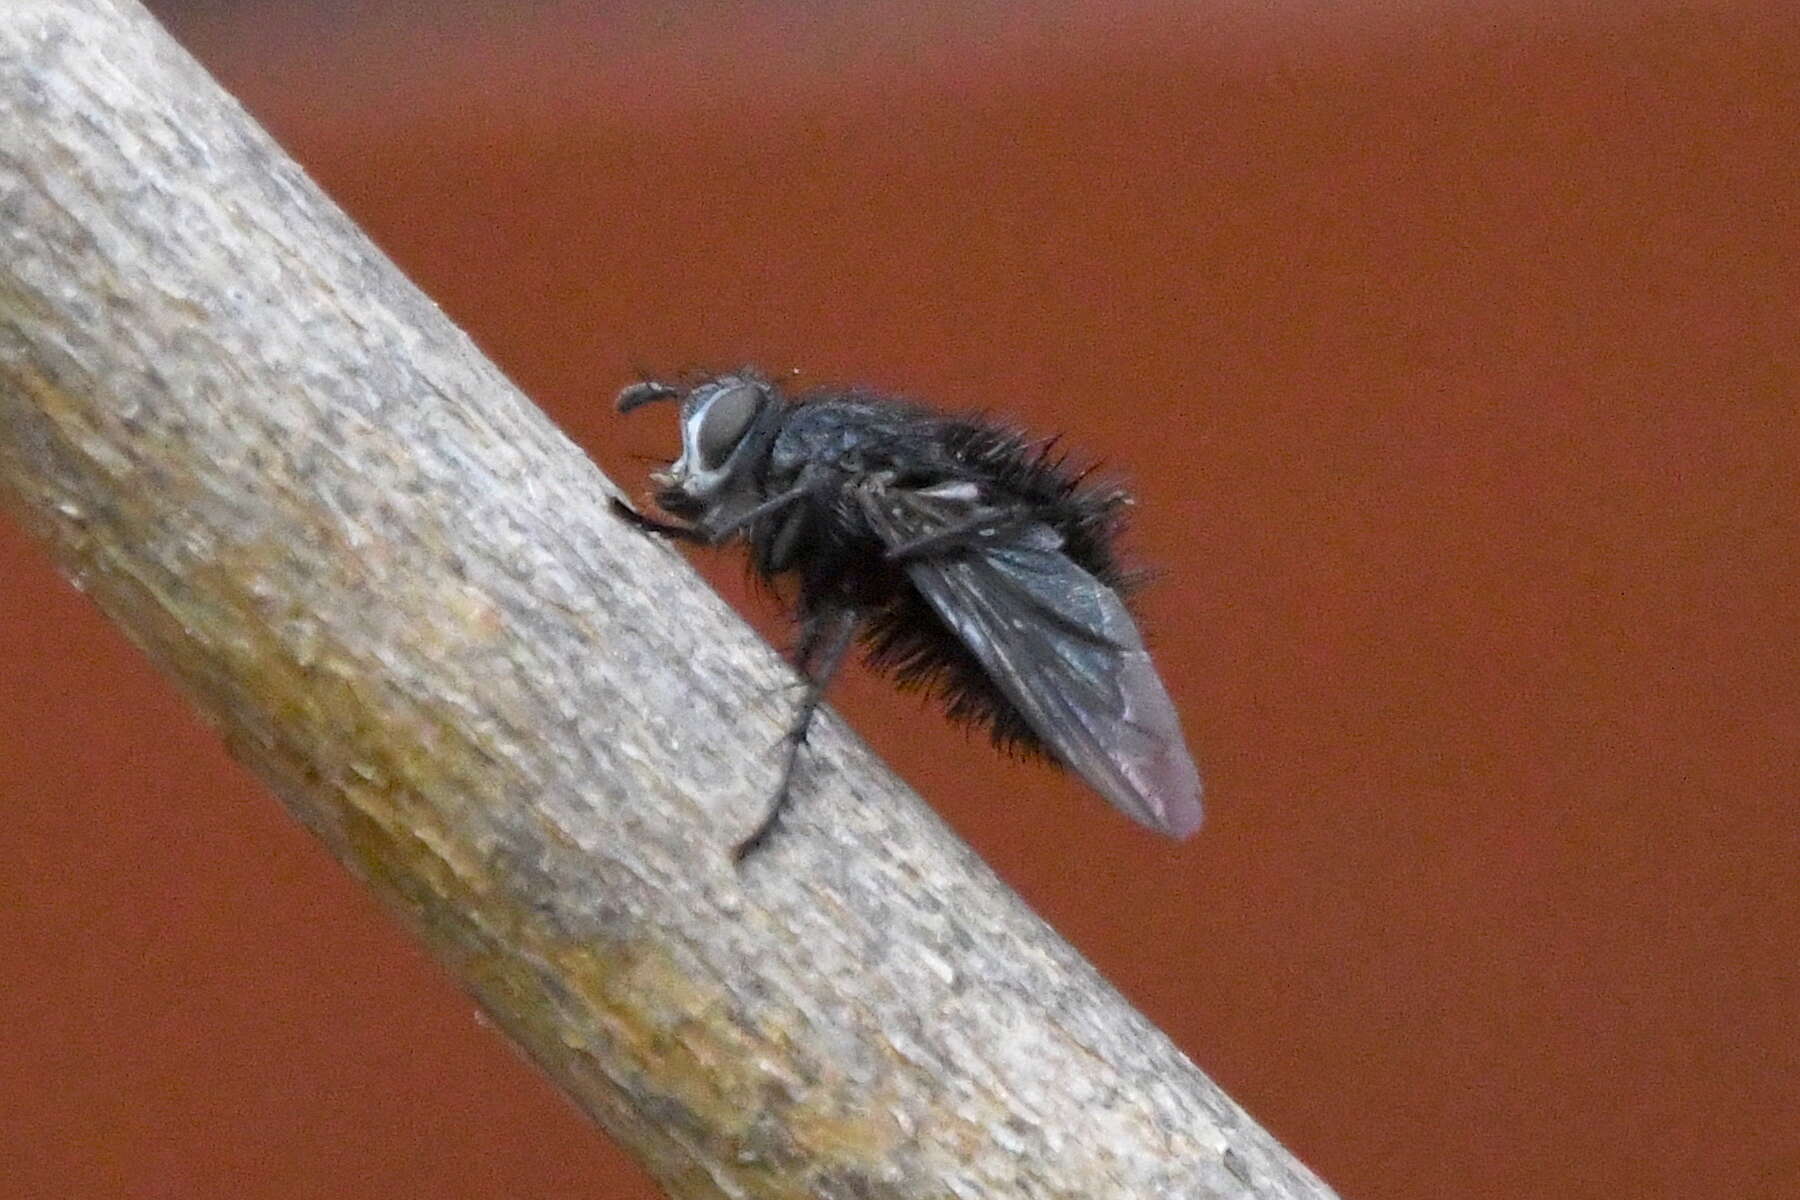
{"x": 1057, "y": 642}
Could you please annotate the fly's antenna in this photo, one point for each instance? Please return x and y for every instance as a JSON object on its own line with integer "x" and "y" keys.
{"x": 639, "y": 394}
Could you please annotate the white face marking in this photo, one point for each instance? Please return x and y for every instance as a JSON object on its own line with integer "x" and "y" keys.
{"x": 696, "y": 475}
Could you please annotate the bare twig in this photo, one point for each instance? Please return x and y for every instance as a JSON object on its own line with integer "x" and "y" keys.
{"x": 396, "y": 590}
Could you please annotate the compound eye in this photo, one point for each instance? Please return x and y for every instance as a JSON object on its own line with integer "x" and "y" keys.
{"x": 724, "y": 421}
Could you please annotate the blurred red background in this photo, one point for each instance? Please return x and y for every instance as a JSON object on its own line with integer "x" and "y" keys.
{"x": 1453, "y": 355}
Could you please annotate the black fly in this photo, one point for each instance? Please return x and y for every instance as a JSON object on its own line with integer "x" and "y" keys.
{"x": 970, "y": 562}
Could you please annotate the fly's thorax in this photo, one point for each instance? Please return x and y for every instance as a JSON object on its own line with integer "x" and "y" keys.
{"x": 845, "y": 436}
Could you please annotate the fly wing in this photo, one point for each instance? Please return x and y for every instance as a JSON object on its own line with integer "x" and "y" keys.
{"x": 1059, "y": 644}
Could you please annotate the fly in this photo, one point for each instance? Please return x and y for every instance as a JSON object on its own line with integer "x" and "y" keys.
{"x": 968, "y": 561}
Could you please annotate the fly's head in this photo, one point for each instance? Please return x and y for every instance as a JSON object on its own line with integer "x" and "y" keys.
{"x": 727, "y": 426}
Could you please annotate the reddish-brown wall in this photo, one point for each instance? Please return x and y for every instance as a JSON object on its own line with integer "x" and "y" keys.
{"x": 1454, "y": 358}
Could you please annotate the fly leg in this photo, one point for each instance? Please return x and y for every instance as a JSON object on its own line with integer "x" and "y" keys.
{"x": 705, "y": 533}
{"x": 825, "y": 637}
{"x": 966, "y": 535}
{"x": 651, "y": 525}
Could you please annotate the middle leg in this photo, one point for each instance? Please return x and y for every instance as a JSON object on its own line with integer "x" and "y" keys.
{"x": 825, "y": 638}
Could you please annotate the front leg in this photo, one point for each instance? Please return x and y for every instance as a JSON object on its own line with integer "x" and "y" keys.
{"x": 650, "y": 525}
{"x": 713, "y": 529}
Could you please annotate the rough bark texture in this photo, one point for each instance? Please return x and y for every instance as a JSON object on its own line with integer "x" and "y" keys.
{"x": 395, "y": 588}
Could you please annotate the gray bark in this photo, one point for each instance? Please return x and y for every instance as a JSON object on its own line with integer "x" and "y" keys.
{"x": 396, "y": 590}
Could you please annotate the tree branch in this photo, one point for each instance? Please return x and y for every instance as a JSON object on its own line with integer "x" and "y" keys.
{"x": 397, "y": 591}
